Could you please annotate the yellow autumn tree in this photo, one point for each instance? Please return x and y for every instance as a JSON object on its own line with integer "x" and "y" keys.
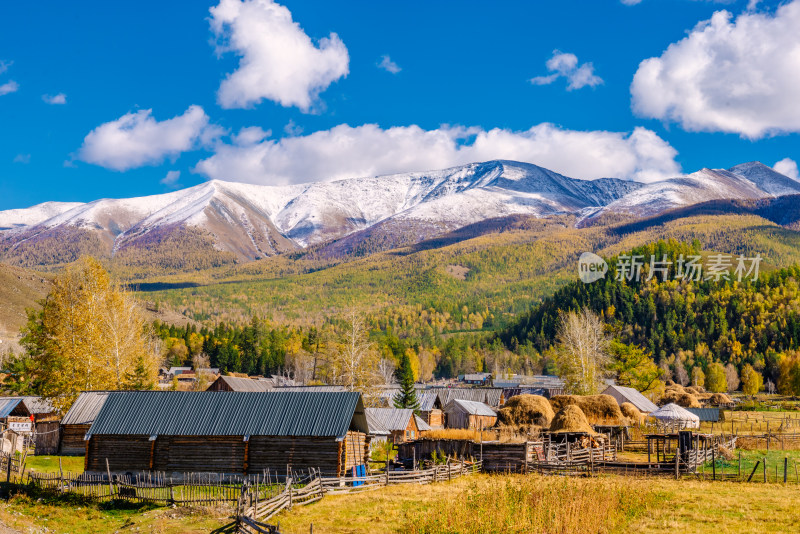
{"x": 89, "y": 335}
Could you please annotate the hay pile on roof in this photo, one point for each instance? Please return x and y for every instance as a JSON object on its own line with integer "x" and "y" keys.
{"x": 526, "y": 410}
{"x": 571, "y": 418}
{"x": 695, "y": 390}
{"x": 677, "y": 394}
{"x": 598, "y": 409}
{"x": 632, "y": 413}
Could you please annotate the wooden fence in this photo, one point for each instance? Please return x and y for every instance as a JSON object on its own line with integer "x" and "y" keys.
{"x": 12, "y": 465}
{"x": 257, "y": 504}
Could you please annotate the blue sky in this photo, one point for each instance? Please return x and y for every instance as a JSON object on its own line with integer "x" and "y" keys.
{"x": 77, "y": 81}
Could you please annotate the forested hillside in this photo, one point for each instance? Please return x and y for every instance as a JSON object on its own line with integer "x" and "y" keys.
{"x": 684, "y": 324}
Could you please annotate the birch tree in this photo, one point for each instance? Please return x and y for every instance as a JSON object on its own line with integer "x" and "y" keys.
{"x": 581, "y": 351}
{"x": 89, "y": 335}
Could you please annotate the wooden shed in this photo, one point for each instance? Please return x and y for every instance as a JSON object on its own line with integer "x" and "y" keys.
{"x": 398, "y": 424}
{"x": 234, "y": 383}
{"x": 239, "y": 432}
{"x": 76, "y": 423}
{"x": 469, "y": 414}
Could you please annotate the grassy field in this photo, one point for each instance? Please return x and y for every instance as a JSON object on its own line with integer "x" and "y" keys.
{"x": 49, "y": 464}
{"x": 478, "y": 504}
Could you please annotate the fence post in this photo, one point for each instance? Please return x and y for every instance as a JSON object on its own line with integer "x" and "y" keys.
{"x": 110, "y": 486}
{"x": 713, "y": 463}
{"x": 785, "y": 467}
{"x": 677, "y": 465}
{"x": 765, "y": 469}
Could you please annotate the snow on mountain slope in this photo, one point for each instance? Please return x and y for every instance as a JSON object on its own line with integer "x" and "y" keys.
{"x": 747, "y": 181}
{"x": 34, "y": 215}
{"x": 253, "y": 221}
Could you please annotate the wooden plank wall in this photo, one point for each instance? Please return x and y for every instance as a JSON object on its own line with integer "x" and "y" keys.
{"x": 72, "y": 443}
{"x": 47, "y": 437}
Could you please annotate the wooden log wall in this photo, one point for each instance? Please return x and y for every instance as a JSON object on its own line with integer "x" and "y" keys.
{"x": 228, "y": 454}
{"x": 72, "y": 443}
{"x": 47, "y": 437}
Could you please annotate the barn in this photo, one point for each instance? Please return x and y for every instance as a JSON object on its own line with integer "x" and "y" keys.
{"x": 623, "y": 394}
{"x": 400, "y": 424}
{"x": 469, "y": 414}
{"x": 239, "y": 432}
{"x": 76, "y": 423}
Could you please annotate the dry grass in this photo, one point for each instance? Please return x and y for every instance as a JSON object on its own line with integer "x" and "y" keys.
{"x": 684, "y": 399}
{"x": 460, "y": 434}
{"x": 571, "y": 418}
{"x": 526, "y": 410}
{"x": 598, "y": 409}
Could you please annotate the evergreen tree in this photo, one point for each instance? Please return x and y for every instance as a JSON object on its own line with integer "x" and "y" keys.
{"x": 407, "y": 396}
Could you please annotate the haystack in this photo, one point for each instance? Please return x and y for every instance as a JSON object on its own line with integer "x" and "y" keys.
{"x": 526, "y": 411}
{"x": 598, "y": 409}
{"x": 571, "y": 418}
{"x": 695, "y": 390}
{"x": 686, "y": 400}
{"x": 631, "y": 412}
{"x": 719, "y": 398}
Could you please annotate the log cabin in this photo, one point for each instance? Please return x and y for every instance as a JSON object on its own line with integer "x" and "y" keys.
{"x": 233, "y": 433}
{"x": 469, "y": 415}
{"x": 397, "y": 424}
{"x": 76, "y": 423}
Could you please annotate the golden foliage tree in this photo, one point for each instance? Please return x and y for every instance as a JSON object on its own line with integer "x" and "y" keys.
{"x": 582, "y": 352}
{"x": 752, "y": 381}
{"x": 89, "y": 335}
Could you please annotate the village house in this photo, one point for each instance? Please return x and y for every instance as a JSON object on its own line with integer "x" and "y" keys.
{"x": 397, "y": 424}
{"x": 469, "y": 415}
{"x": 238, "y": 432}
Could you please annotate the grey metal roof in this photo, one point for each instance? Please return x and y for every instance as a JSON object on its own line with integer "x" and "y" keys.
{"x": 8, "y": 404}
{"x": 391, "y": 419}
{"x": 705, "y": 414}
{"x": 38, "y": 405}
{"x": 323, "y": 389}
{"x": 244, "y": 384}
{"x": 85, "y": 408}
{"x": 471, "y": 407}
{"x": 427, "y": 401}
{"x": 208, "y": 413}
{"x": 490, "y": 396}
{"x": 624, "y": 394}
{"x": 421, "y": 424}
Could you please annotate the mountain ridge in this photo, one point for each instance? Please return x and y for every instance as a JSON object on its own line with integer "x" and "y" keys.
{"x": 255, "y": 221}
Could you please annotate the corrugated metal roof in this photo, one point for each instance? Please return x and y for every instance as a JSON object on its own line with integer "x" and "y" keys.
{"x": 391, "y": 419}
{"x": 244, "y": 384}
{"x": 490, "y": 396}
{"x": 208, "y": 413}
{"x": 38, "y": 405}
{"x": 322, "y": 389}
{"x": 631, "y": 395}
{"x": 421, "y": 424}
{"x": 705, "y": 414}
{"x": 8, "y": 404}
{"x": 85, "y": 408}
{"x": 473, "y": 408}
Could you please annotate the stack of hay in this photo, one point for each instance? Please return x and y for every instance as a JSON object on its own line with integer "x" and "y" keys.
{"x": 632, "y": 413}
{"x": 598, "y": 409}
{"x": 571, "y": 418}
{"x": 677, "y": 394}
{"x": 524, "y": 412}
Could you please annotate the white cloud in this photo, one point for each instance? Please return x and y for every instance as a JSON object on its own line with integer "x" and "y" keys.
{"x": 566, "y": 65}
{"x": 388, "y": 65}
{"x": 137, "y": 139}
{"x": 787, "y": 167}
{"x": 9, "y": 87}
{"x": 22, "y": 158}
{"x": 369, "y": 150}
{"x": 278, "y": 61}
{"x": 5, "y": 65}
{"x": 171, "y": 178}
{"x": 60, "y": 98}
{"x": 739, "y": 76}
{"x": 631, "y": 2}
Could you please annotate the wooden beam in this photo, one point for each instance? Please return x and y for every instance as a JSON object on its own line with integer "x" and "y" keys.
{"x": 152, "y": 452}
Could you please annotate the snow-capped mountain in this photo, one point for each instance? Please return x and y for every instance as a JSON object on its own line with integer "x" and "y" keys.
{"x": 746, "y": 181}
{"x": 253, "y": 221}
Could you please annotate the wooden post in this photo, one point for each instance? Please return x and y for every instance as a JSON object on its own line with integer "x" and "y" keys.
{"x": 713, "y": 463}
{"x": 765, "y": 470}
{"x": 785, "y": 467}
{"x": 740, "y": 465}
{"x": 108, "y": 471}
{"x": 677, "y": 464}
{"x": 648, "y": 449}
{"x": 755, "y": 467}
